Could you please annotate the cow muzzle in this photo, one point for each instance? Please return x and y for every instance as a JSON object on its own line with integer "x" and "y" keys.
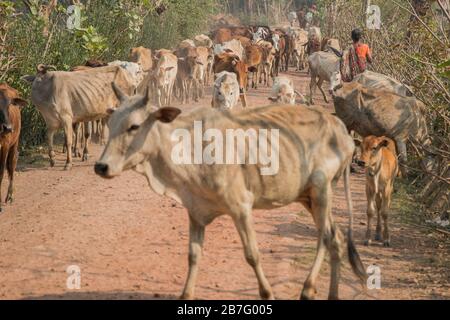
{"x": 6, "y": 128}
{"x": 102, "y": 169}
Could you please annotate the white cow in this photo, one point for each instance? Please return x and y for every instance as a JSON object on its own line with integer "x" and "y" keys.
{"x": 324, "y": 66}
{"x": 133, "y": 69}
{"x": 283, "y": 91}
{"x": 225, "y": 91}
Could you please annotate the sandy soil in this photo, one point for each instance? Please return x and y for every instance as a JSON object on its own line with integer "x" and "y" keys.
{"x": 132, "y": 244}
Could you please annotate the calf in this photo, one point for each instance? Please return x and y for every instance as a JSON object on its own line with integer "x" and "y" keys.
{"x": 9, "y": 135}
{"x": 379, "y": 157}
{"x": 165, "y": 76}
{"x": 232, "y": 63}
{"x": 254, "y": 60}
{"x": 314, "y": 149}
{"x": 143, "y": 57}
{"x": 225, "y": 91}
{"x": 283, "y": 91}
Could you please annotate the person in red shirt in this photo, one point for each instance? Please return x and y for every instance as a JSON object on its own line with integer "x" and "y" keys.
{"x": 359, "y": 54}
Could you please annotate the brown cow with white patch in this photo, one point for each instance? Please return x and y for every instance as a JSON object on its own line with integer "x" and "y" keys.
{"x": 231, "y": 63}
{"x": 379, "y": 157}
{"x": 10, "y": 102}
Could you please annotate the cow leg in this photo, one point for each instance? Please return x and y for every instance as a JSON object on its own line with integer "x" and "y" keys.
{"x": 11, "y": 164}
{"x": 378, "y": 204}
{"x": 320, "y": 210}
{"x": 51, "y": 153}
{"x": 243, "y": 223}
{"x": 67, "y": 125}
{"x": 312, "y": 88}
{"x": 385, "y": 215}
{"x": 3, "y": 157}
{"x": 196, "y": 238}
{"x": 159, "y": 96}
{"x": 76, "y": 128}
{"x": 403, "y": 156}
{"x": 371, "y": 211}
{"x": 87, "y": 135}
{"x": 319, "y": 84}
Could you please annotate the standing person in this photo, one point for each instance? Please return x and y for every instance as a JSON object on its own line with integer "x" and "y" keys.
{"x": 359, "y": 55}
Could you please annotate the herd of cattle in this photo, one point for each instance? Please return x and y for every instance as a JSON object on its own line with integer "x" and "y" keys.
{"x": 315, "y": 147}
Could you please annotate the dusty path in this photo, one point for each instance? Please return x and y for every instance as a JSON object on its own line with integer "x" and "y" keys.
{"x": 132, "y": 244}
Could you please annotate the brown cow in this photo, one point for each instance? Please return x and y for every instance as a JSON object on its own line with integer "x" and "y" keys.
{"x": 379, "y": 157}
{"x": 222, "y": 35}
{"x": 232, "y": 63}
{"x": 188, "y": 72}
{"x": 143, "y": 57}
{"x": 254, "y": 60}
{"x": 9, "y": 135}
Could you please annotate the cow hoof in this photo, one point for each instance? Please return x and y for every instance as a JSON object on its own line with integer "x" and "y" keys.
{"x": 85, "y": 157}
{"x": 378, "y": 237}
{"x": 387, "y": 244}
{"x": 68, "y": 167}
{"x": 308, "y": 294}
{"x": 186, "y": 297}
{"x": 9, "y": 199}
{"x": 266, "y": 295}
{"x": 367, "y": 243}
{"x": 52, "y": 163}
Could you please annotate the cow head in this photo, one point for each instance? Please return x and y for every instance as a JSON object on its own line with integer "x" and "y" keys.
{"x": 370, "y": 153}
{"x": 132, "y": 139}
{"x": 225, "y": 90}
{"x": 8, "y": 97}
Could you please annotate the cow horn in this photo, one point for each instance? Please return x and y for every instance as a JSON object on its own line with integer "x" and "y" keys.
{"x": 336, "y": 52}
{"x": 43, "y": 68}
{"x": 119, "y": 93}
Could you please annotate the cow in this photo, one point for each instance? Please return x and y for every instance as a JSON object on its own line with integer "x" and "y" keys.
{"x": 283, "y": 91}
{"x": 379, "y": 158}
{"x": 188, "y": 73}
{"x": 328, "y": 43}
{"x": 165, "y": 76}
{"x": 232, "y": 63}
{"x": 222, "y": 35}
{"x": 369, "y": 111}
{"x": 203, "y": 40}
{"x": 268, "y": 59}
{"x": 233, "y": 46}
{"x": 225, "y": 91}
{"x": 380, "y": 81}
{"x": 279, "y": 43}
{"x": 243, "y": 40}
{"x": 205, "y": 61}
{"x": 65, "y": 98}
{"x": 293, "y": 18}
{"x": 10, "y": 123}
{"x": 315, "y": 151}
{"x": 324, "y": 66}
{"x": 134, "y": 70}
{"x": 300, "y": 39}
{"x": 143, "y": 57}
{"x": 254, "y": 60}
{"x": 314, "y": 40}
{"x": 261, "y": 33}
{"x": 186, "y": 43}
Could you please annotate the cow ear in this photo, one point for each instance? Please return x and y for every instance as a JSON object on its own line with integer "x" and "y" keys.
{"x": 121, "y": 96}
{"x": 167, "y": 114}
{"x": 384, "y": 143}
{"x": 20, "y": 102}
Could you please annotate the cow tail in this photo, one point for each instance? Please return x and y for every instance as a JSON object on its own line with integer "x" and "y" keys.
{"x": 353, "y": 256}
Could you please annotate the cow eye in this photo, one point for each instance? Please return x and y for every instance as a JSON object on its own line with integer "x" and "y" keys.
{"x": 134, "y": 127}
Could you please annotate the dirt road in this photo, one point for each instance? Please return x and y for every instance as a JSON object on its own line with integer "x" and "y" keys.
{"x": 130, "y": 243}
